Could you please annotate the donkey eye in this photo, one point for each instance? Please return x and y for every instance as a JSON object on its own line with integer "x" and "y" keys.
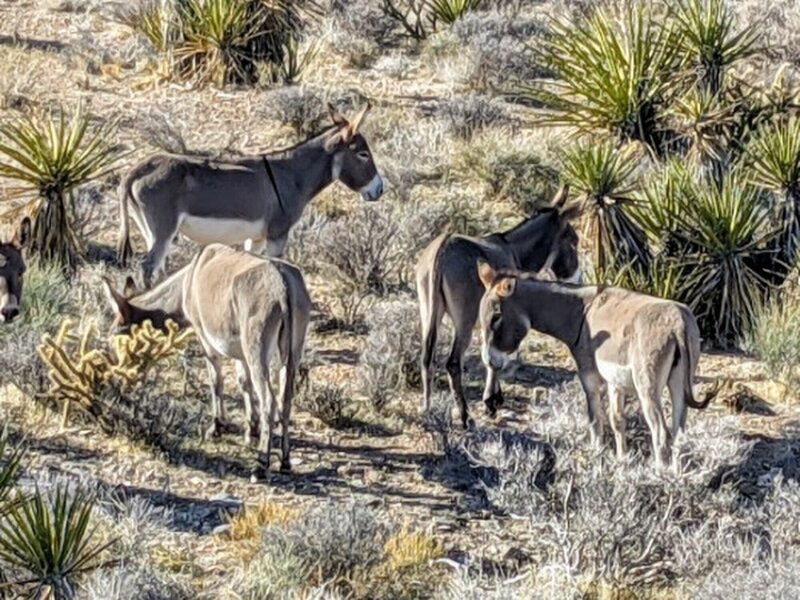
{"x": 363, "y": 155}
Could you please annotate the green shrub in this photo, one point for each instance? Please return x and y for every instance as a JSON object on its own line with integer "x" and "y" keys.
{"x": 774, "y": 340}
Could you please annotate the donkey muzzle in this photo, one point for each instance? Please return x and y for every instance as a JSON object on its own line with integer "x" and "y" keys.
{"x": 373, "y": 190}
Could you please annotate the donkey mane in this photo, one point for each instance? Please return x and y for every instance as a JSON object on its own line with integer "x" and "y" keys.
{"x": 524, "y": 222}
{"x": 283, "y": 151}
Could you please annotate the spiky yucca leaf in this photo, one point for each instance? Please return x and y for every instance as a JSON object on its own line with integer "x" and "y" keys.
{"x": 216, "y": 39}
{"x": 603, "y": 178}
{"x": 729, "y": 229}
{"x": 774, "y": 157}
{"x": 707, "y": 36}
{"x": 614, "y": 71}
{"x": 51, "y": 155}
{"x": 663, "y": 278}
{"x": 450, "y": 11}
{"x": 47, "y": 537}
{"x": 10, "y": 459}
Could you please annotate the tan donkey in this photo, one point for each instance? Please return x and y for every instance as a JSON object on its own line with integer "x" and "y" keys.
{"x": 622, "y": 341}
{"x": 448, "y": 284}
{"x": 242, "y": 307}
{"x": 253, "y": 200}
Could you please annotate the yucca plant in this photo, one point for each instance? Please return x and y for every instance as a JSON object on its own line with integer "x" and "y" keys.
{"x": 773, "y": 160}
{"x": 658, "y": 204}
{"x": 450, "y": 11}
{"x": 663, "y": 278}
{"x": 709, "y": 39}
{"x": 156, "y": 20}
{"x": 603, "y": 178}
{"x": 295, "y": 61}
{"x": 707, "y": 123}
{"x": 47, "y": 539}
{"x": 614, "y": 71}
{"x": 728, "y": 227}
{"x": 10, "y": 459}
{"x": 51, "y": 156}
{"x": 216, "y": 40}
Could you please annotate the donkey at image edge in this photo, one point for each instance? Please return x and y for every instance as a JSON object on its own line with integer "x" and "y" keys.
{"x": 12, "y": 269}
{"x": 253, "y": 200}
{"x": 243, "y": 307}
{"x": 623, "y": 343}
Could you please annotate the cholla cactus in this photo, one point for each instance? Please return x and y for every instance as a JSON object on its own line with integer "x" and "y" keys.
{"x": 79, "y": 374}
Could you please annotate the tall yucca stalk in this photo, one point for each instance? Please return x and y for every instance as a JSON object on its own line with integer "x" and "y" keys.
{"x": 773, "y": 158}
{"x": 51, "y": 156}
{"x": 613, "y": 71}
{"x": 708, "y": 38}
{"x": 603, "y": 178}
{"x": 47, "y": 537}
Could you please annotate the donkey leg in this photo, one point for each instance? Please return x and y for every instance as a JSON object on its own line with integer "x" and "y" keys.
{"x": 676, "y": 393}
{"x": 593, "y": 386}
{"x": 455, "y": 365}
{"x": 162, "y": 233}
{"x": 492, "y": 396}
{"x": 286, "y": 391}
{"x": 616, "y": 416}
{"x": 649, "y": 393}
{"x": 430, "y": 318}
{"x": 250, "y": 417}
{"x": 216, "y": 383}
{"x": 276, "y": 248}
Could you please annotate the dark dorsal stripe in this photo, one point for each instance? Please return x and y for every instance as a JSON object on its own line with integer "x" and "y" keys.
{"x": 271, "y": 176}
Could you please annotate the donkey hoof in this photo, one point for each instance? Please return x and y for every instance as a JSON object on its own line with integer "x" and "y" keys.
{"x": 286, "y": 466}
{"x": 214, "y": 431}
{"x": 468, "y": 424}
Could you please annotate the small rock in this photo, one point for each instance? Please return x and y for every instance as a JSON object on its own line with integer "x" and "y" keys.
{"x": 223, "y": 529}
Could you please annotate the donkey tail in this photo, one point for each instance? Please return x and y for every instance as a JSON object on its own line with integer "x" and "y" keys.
{"x": 687, "y": 352}
{"x": 124, "y": 244}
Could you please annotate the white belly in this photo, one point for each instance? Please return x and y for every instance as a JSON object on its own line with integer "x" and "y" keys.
{"x": 208, "y": 230}
{"x": 620, "y": 376}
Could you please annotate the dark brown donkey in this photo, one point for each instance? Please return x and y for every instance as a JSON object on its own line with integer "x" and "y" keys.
{"x": 12, "y": 268}
{"x": 448, "y": 283}
{"x": 254, "y": 200}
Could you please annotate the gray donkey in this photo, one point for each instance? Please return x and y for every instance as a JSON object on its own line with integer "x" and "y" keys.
{"x": 622, "y": 341}
{"x": 243, "y": 307}
{"x": 253, "y": 200}
{"x": 447, "y": 283}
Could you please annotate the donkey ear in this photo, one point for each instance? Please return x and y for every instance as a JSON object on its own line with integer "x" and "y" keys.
{"x": 560, "y": 199}
{"x": 130, "y": 287}
{"x": 356, "y": 123}
{"x": 486, "y": 273}
{"x": 337, "y": 117}
{"x": 23, "y": 234}
{"x": 118, "y": 302}
{"x": 506, "y": 287}
{"x": 571, "y": 211}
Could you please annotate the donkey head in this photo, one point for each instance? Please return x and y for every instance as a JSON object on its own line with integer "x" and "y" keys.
{"x": 12, "y": 268}
{"x": 128, "y": 310}
{"x": 503, "y": 325}
{"x": 353, "y": 164}
{"x": 561, "y": 262}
